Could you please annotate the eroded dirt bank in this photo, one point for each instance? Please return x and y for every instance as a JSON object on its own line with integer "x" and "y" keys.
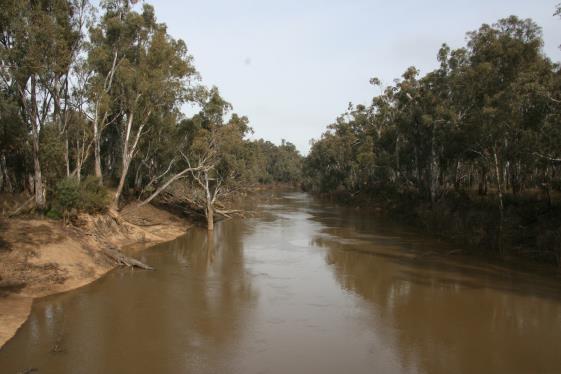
{"x": 40, "y": 257}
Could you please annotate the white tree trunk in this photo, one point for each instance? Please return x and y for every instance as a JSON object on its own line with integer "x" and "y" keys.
{"x": 500, "y": 196}
{"x": 97, "y": 147}
{"x": 40, "y": 200}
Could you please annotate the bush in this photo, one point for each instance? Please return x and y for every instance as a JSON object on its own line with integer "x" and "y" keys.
{"x": 94, "y": 198}
{"x": 67, "y": 194}
{"x": 54, "y": 214}
{"x": 88, "y": 196}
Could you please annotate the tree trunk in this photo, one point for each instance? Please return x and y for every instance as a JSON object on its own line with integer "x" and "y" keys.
{"x": 6, "y": 184}
{"x": 501, "y": 205}
{"x": 97, "y": 149}
{"x": 457, "y": 178}
{"x": 434, "y": 169}
{"x": 209, "y": 204}
{"x": 483, "y": 182}
{"x": 128, "y": 152}
{"x": 417, "y": 167}
{"x": 40, "y": 200}
{"x": 66, "y": 153}
{"x": 397, "y": 166}
{"x": 138, "y": 180}
{"x": 166, "y": 185}
{"x": 122, "y": 179}
{"x": 79, "y": 162}
{"x": 210, "y": 216}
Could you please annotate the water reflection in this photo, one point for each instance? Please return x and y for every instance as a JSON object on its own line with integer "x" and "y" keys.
{"x": 447, "y": 314}
{"x": 302, "y": 287}
{"x": 183, "y": 317}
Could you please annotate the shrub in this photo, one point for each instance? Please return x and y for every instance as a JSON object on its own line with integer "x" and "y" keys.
{"x": 94, "y": 198}
{"x": 67, "y": 194}
{"x": 88, "y": 196}
{"x": 54, "y": 214}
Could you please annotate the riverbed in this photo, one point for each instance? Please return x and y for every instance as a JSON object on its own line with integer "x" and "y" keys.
{"x": 301, "y": 286}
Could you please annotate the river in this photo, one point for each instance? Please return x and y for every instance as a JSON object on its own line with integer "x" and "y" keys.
{"x": 300, "y": 287}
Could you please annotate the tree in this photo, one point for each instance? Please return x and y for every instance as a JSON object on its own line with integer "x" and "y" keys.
{"x": 218, "y": 150}
{"x": 150, "y": 77}
{"x": 37, "y": 49}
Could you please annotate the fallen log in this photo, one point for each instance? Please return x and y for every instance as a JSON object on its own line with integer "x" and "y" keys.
{"x": 122, "y": 260}
{"x": 21, "y": 207}
{"x": 229, "y": 213}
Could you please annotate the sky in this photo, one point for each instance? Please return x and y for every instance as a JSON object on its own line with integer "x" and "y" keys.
{"x": 293, "y": 66}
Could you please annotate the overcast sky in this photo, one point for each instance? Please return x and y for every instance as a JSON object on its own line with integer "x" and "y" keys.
{"x": 292, "y": 66}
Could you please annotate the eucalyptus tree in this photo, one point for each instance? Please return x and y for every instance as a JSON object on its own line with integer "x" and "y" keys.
{"x": 151, "y": 76}
{"x": 37, "y": 46}
{"x": 217, "y": 155}
{"x": 489, "y": 113}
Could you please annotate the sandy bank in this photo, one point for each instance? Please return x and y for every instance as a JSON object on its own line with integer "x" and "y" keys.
{"x": 40, "y": 257}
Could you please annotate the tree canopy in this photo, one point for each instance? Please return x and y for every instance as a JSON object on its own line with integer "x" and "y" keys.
{"x": 103, "y": 96}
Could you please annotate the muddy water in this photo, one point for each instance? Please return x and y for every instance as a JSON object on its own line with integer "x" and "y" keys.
{"x": 300, "y": 288}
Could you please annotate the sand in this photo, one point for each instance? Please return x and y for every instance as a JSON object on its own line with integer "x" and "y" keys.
{"x": 40, "y": 257}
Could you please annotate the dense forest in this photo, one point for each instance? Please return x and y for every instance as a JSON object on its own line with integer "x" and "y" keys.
{"x": 471, "y": 149}
{"x": 92, "y": 113}
{"x": 93, "y": 107}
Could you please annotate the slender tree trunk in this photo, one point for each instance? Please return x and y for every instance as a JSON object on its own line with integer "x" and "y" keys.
{"x": 6, "y": 184}
{"x": 397, "y": 175}
{"x": 457, "y": 179}
{"x": 40, "y": 200}
{"x": 30, "y": 184}
{"x": 79, "y": 161}
{"x": 128, "y": 152}
{"x": 122, "y": 179}
{"x": 501, "y": 205}
{"x": 417, "y": 167}
{"x": 138, "y": 180}
{"x": 209, "y": 204}
{"x": 97, "y": 147}
{"x": 434, "y": 169}
{"x": 66, "y": 154}
{"x": 483, "y": 182}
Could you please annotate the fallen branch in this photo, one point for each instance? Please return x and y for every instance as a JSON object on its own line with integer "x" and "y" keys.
{"x": 548, "y": 158}
{"x": 230, "y": 213}
{"x": 177, "y": 176}
{"x": 122, "y": 260}
{"x": 18, "y": 210}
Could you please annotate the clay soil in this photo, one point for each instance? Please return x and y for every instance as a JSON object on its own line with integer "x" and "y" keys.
{"x": 40, "y": 257}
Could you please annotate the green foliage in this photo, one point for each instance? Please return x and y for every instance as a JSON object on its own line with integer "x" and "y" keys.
{"x": 51, "y": 155}
{"x": 94, "y": 198}
{"x": 67, "y": 195}
{"x": 54, "y": 214}
{"x": 88, "y": 196}
{"x": 486, "y": 120}
{"x": 277, "y": 164}
{"x": 490, "y": 106}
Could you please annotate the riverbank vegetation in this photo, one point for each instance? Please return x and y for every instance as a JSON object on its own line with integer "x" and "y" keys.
{"x": 97, "y": 96}
{"x": 471, "y": 150}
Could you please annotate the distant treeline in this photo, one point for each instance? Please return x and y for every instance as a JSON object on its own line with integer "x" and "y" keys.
{"x": 484, "y": 126}
{"x": 100, "y": 95}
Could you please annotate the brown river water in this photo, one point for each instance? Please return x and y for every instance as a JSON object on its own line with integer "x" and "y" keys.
{"x": 301, "y": 287}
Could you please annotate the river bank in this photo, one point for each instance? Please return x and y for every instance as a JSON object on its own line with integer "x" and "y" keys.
{"x": 531, "y": 227}
{"x": 301, "y": 286}
{"x": 40, "y": 257}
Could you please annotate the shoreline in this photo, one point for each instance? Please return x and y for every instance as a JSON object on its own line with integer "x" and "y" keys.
{"x": 529, "y": 233}
{"x": 40, "y": 257}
